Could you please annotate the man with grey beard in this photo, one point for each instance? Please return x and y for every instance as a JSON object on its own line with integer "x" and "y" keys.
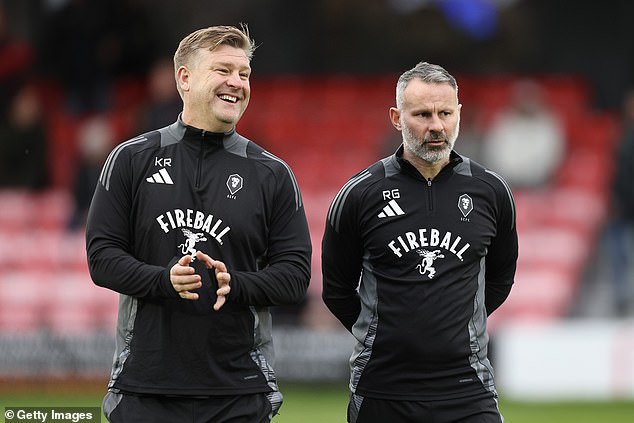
{"x": 419, "y": 248}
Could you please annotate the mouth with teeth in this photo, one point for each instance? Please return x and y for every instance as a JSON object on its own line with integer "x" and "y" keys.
{"x": 228, "y": 98}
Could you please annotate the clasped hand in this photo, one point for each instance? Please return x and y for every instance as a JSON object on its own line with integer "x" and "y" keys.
{"x": 184, "y": 278}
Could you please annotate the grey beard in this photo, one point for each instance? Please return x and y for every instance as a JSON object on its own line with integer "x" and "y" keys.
{"x": 422, "y": 151}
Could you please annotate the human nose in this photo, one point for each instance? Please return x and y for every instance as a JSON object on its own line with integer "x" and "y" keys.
{"x": 234, "y": 79}
{"x": 436, "y": 124}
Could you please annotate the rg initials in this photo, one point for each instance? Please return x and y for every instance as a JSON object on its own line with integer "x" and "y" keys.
{"x": 391, "y": 194}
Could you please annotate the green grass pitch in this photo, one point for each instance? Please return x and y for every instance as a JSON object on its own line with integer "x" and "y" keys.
{"x": 327, "y": 404}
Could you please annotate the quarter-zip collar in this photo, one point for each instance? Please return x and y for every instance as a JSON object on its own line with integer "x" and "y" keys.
{"x": 208, "y": 141}
{"x": 201, "y": 144}
{"x": 191, "y": 137}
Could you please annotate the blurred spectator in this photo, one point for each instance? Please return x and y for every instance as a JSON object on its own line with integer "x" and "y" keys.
{"x": 81, "y": 51}
{"x": 620, "y": 229}
{"x": 23, "y": 142}
{"x": 526, "y": 141}
{"x": 90, "y": 45}
{"x": 470, "y": 133}
{"x": 95, "y": 139}
{"x": 164, "y": 102}
{"x": 133, "y": 32}
{"x": 16, "y": 58}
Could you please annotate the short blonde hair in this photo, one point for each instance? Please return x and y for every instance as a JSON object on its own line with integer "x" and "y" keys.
{"x": 210, "y": 39}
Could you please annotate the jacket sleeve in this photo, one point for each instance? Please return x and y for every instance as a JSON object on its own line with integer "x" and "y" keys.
{"x": 341, "y": 261}
{"x": 501, "y": 260}
{"x": 109, "y": 242}
{"x": 284, "y": 274}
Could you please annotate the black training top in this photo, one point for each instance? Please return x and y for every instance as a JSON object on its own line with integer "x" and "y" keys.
{"x": 412, "y": 268}
{"x": 173, "y": 192}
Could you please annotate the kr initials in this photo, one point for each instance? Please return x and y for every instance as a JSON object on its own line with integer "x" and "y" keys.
{"x": 163, "y": 161}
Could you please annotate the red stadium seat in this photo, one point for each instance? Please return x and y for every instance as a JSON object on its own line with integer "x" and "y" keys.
{"x": 22, "y": 301}
{"x": 71, "y": 304}
{"x": 15, "y": 210}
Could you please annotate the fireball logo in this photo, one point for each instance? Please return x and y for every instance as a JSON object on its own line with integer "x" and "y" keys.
{"x": 189, "y": 246}
{"x": 427, "y": 264}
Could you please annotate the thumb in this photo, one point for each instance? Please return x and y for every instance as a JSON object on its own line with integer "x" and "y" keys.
{"x": 185, "y": 260}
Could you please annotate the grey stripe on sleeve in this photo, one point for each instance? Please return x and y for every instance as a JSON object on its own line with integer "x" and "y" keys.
{"x": 336, "y": 208}
{"x": 106, "y": 172}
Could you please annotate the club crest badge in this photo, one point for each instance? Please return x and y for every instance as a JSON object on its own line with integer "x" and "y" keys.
{"x": 234, "y": 183}
{"x": 465, "y": 205}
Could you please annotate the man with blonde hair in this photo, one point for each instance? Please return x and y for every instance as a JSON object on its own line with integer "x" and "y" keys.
{"x": 199, "y": 230}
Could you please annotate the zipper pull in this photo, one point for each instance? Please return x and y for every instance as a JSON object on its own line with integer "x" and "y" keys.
{"x": 429, "y": 182}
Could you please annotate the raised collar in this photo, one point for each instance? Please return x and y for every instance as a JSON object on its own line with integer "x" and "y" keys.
{"x": 407, "y": 167}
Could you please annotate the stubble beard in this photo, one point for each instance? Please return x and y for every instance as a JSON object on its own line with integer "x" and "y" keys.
{"x": 431, "y": 154}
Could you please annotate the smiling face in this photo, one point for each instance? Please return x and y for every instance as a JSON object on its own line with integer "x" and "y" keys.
{"x": 429, "y": 118}
{"x": 215, "y": 88}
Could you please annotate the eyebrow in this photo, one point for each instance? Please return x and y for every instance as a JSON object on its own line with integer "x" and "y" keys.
{"x": 231, "y": 65}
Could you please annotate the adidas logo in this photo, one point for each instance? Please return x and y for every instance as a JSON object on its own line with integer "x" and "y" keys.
{"x": 161, "y": 177}
{"x": 392, "y": 209}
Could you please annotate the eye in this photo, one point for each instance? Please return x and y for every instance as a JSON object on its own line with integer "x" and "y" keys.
{"x": 222, "y": 71}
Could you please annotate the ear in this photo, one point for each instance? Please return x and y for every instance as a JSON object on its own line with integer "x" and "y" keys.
{"x": 182, "y": 78}
{"x": 395, "y": 117}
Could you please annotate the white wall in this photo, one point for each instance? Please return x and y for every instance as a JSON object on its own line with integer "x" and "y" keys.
{"x": 565, "y": 360}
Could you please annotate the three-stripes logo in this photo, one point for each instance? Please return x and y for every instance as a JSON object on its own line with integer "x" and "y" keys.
{"x": 161, "y": 177}
{"x": 391, "y": 209}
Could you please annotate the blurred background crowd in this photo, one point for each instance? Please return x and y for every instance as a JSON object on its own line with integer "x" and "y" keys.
{"x": 547, "y": 88}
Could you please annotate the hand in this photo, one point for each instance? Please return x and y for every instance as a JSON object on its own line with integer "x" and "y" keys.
{"x": 184, "y": 278}
{"x": 222, "y": 276}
